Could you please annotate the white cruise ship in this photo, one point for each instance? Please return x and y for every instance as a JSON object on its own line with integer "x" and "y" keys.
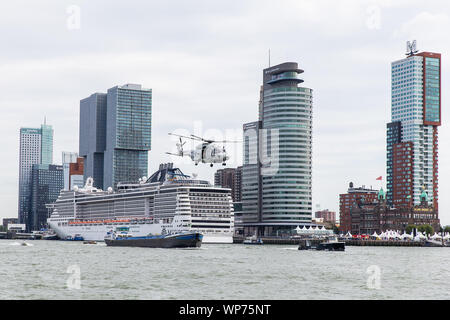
{"x": 168, "y": 201}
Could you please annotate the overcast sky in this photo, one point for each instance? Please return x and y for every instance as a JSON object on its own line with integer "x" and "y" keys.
{"x": 204, "y": 61}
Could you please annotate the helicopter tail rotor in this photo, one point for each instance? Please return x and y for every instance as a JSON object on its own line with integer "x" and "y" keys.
{"x": 180, "y": 147}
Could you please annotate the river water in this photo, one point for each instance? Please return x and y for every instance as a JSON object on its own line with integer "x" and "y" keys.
{"x": 73, "y": 270}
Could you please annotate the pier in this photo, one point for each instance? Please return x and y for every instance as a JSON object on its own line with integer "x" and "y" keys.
{"x": 277, "y": 240}
{"x": 18, "y": 235}
{"x": 384, "y": 243}
{"x": 348, "y": 242}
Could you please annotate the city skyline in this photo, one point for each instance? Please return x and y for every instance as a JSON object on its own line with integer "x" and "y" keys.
{"x": 352, "y": 79}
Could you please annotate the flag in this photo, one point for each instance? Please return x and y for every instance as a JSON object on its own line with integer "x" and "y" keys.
{"x": 379, "y": 178}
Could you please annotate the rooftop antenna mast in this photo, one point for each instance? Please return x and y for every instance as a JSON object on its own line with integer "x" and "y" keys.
{"x": 269, "y": 58}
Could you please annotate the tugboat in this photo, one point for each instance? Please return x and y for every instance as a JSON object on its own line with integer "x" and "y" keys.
{"x": 174, "y": 240}
{"x": 331, "y": 244}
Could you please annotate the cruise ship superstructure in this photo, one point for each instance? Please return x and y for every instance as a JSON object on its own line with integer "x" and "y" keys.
{"x": 168, "y": 201}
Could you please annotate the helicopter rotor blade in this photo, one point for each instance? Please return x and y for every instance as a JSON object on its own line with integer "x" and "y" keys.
{"x": 200, "y": 138}
{"x": 174, "y": 154}
{"x": 181, "y": 136}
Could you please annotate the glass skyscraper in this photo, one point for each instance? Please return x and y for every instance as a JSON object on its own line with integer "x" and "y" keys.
{"x": 115, "y": 134}
{"x": 277, "y": 173}
{"x": 128, "y": 134}
{"x": 46, "y": 183}
{"x": 412, "y": 136}
{"x": 93, "y": 136}
{"x": 36, "y": 147}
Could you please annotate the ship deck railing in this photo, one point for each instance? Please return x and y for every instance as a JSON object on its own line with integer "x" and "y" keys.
{"x": 112, "y": 221}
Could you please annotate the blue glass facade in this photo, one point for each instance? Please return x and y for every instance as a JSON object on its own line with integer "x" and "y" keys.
{"x": 432, "y": 90}
{"x": 128, "y": 134}
{"x": 115, "y": 134}
{"x": 47, "y": 182}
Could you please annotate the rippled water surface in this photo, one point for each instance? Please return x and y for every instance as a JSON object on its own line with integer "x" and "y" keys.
{"x": 236, "y": 271}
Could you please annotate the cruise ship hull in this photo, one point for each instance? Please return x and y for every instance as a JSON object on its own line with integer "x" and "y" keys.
{"x": 98, "y": 232}
{"x": 187, "y": 240}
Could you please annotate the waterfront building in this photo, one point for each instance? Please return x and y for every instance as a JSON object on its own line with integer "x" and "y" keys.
{"x": 230, "y": 178}
{"x": 276, "y": 180}
{"x": 7, "y": 221}
{"x": 378, "y": 216}
{"x": 46, "y": 183}
{"x": 412, "y": 134}
{"x": 347, "y": 200}
{"x": 36, "y": 147}
{"x": 327, "y": 216}
{"x": 115, "y": 134}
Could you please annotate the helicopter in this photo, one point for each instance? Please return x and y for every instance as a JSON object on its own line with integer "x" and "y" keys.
{"x": 206, "y": 152}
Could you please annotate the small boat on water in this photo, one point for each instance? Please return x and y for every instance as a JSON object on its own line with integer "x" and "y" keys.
{"x": 89, "y": 242}
{"x": 76, "y": 237}
{"x": 50, "y": 237}
{"x": 252, "y": 240}
{"x": 170, "y": 240}
{"x": 331, "y": 244}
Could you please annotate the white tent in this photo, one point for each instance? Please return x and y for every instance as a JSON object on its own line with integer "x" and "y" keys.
{"x": 348, "y": 235}
{"x": 375, "y": 235}
{"x": 419, "y": 236}
{"x": 435, "y": 236}
{"x": 406, "y": 236}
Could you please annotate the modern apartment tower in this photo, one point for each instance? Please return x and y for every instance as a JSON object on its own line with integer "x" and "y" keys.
{"x": 115, "y": 134}
{"x": 412, "y": 134}
{"x": 36, "y": 147}
{"x": 230, "y": 178}
{"x": 276, "y": 178}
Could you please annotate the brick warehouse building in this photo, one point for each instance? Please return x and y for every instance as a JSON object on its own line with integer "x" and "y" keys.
{"x": 347, "y": 200}
{"x": 378, "y": 216}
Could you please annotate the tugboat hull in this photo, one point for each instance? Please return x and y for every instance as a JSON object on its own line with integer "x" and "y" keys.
{"x": 331, "y": 246}
{"x": 191, "y": 240}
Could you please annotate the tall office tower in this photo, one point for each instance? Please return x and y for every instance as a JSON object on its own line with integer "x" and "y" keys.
{"x": 412, "y": 136}
{"x": 46, "y": 183}
{"x": 115, "y": 134}
{"x": 93, "y": 136}
{"x": 277, "y": 186}
{"x": 36, "y": 147}
{"x": 128, "y": 134}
